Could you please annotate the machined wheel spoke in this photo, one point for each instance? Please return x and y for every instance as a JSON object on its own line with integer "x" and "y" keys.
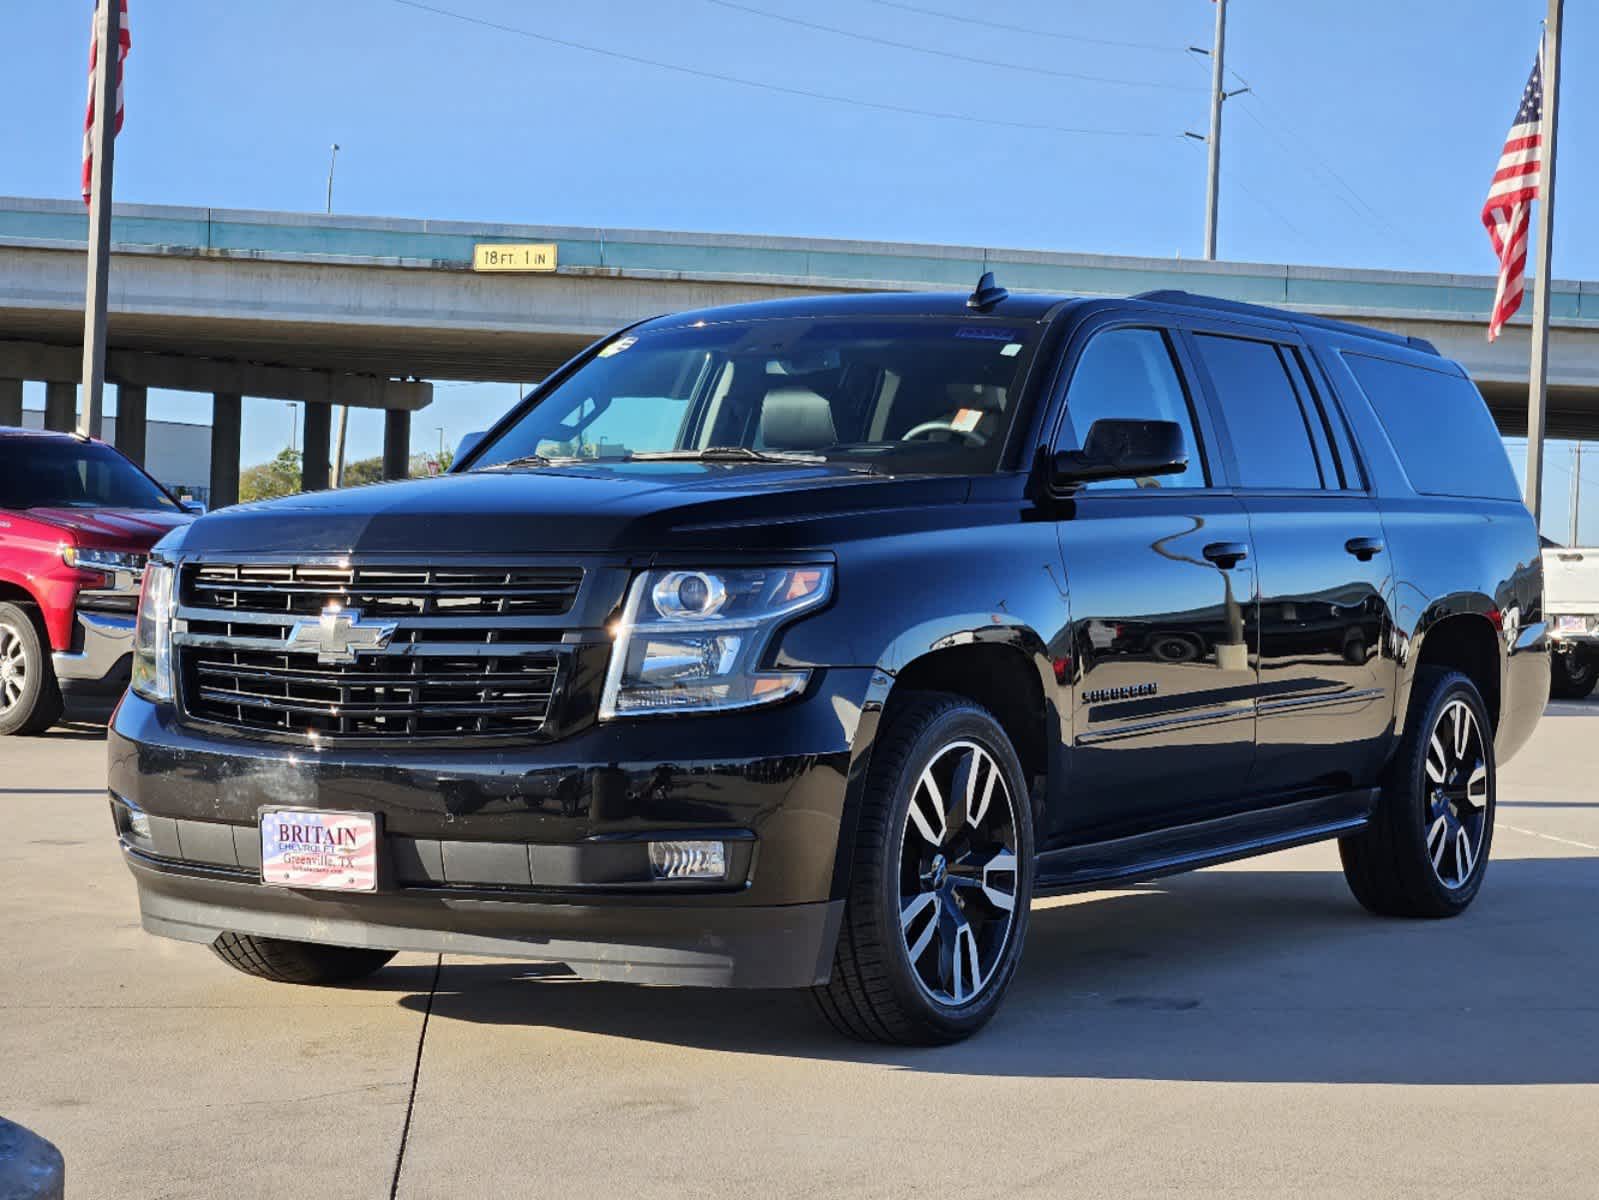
{"x": 980, "y": 791}
{"x": 999, "y": 880}
{"x": 927, "y": 809}
{"x": 1477, "y": 786}
{"x": 960, "y": 967}
{"x": 1437, "y": 761}
{"x": 1438, "y": 841}
{"x": 1465, "y": 857}
{"x": 1463, "y": 729}
{"x": 923, "y": 902}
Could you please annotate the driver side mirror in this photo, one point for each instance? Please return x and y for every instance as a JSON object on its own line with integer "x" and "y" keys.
{"x": 1121, "y": 449}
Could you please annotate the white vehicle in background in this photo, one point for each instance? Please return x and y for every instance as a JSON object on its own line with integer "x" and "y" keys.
{"x": 1571, "y": 604}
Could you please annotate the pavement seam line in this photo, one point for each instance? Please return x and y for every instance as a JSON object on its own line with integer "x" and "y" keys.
{"x": 1548, "y": 837}
{"x": 416, "y": 1075}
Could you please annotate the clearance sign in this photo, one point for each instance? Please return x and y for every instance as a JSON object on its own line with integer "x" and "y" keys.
{"x": 505, "y": 256}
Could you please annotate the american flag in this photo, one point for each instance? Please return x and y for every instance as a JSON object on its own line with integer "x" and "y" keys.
{"x": 1509, "y": 203}
{"x": 123, "y": 45}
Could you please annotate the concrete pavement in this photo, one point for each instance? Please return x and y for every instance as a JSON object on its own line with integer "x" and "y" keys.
{"x": 1246, "y": 1031}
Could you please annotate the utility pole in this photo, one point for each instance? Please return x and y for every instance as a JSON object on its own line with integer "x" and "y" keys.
{"x": 1538, "y": 395}
{"x": 333, "y": 161}
{"x": 1218, "y": 93}
{"x": 108, "y": 55}
{"x": 1576, "y": 492}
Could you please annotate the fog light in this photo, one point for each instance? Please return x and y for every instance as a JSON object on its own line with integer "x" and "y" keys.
{"x": 688, "y": 860}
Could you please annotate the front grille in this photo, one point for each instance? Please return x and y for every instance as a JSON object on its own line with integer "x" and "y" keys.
{"x": 384, "y": 591}
{"x": 463, "y": 651}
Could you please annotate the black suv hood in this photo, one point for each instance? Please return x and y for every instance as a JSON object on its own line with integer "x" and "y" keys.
{"x": 626, "y": 507}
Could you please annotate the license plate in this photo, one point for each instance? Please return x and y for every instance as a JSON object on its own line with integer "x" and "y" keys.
{"x": 1573, "y": 625}
{"x": 332, "y": 850}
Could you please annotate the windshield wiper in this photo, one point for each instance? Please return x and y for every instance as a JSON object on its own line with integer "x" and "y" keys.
{"x": 727, "y": 454}
{"x": 525, "y": 460}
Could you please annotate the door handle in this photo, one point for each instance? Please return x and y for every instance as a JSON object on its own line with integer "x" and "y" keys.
{"x": 1226, "y": 555}
{"x": 1364, "y": 548}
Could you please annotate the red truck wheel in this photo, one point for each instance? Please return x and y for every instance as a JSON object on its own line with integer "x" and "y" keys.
{"x": 30, "y": 701}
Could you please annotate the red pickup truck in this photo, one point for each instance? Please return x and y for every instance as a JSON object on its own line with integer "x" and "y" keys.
{"x": 77, "y": 520}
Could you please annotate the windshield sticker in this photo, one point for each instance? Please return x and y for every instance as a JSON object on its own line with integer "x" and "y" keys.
{"x": 1012, "y": 350}
{"x": 966, "y": 420}
{"x": 616, "y": 347}
{"x": 983, "y": 333}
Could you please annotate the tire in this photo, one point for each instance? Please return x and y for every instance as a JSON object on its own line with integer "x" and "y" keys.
{"x": 284, "y": 961}
{"x": 1410, "y": 861}
{"x": 1572, "y": 675}
{"x": 900, "y": 984}
{"x": 30, "y": 698}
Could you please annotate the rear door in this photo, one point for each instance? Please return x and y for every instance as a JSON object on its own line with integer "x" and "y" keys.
{"x": 1327, "y": 681}
{"x": 1161, "y": 582}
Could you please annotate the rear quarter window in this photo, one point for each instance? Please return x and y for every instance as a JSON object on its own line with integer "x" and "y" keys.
{"x": 1440, "y": 428}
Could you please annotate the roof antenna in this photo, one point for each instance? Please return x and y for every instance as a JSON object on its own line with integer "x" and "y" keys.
{"x": 987, "y": 293}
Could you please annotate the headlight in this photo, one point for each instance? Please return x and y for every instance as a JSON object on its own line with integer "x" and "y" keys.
{"x": 101, "y": 560}
{"x": 692, "y": 641}
{"x": 152, "y": 635}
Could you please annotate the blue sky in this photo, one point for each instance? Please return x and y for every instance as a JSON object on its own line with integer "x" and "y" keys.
{"x": 1367, "y": 141}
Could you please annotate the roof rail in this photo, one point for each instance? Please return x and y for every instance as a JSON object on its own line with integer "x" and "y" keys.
{"x": 1184, "y": 299}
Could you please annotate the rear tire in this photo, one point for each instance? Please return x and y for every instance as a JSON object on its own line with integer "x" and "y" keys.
{"x": 30, "y": 699}
{"x": 1426, "y": 849}
{"x": 284, "y": 961}
{"x": 1573, "y": 674}
{"x": 937, "y": 906}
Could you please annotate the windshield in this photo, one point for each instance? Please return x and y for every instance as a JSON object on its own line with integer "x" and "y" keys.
{"x": 41, "y": 473}
{"x": 901, "y": 395}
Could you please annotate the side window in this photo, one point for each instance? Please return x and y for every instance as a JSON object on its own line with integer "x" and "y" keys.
{"x": 1318, "y": 402}
{"x": 1440, "y": 428}
{"x": 1269, "y": 427}
{"x": 1130, "y": 374}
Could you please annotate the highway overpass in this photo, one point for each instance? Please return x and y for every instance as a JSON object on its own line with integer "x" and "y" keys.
{"x": 360, "y": 310}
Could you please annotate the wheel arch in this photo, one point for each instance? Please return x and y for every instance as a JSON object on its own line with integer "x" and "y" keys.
{"x": 1464, "y": 635}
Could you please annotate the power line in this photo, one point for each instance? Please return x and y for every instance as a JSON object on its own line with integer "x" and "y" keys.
{"x": 782, "y": 89}
{"x": 1030, "y": 31}
{"x": 1259, "y": 200}
{"x": 951, "y": 54}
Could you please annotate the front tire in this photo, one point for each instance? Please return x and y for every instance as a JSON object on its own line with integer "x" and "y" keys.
{"x": 1425, "y": 851}
{"x": 30, "y": 699}
{"x": 941, "y": 879}
{"x": 283, "y": 961}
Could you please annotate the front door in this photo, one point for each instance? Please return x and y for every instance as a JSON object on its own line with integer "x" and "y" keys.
{"x": 1161, "y": 583}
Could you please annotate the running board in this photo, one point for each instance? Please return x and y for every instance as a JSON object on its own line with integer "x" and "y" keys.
{"x": 1203, "y": 843}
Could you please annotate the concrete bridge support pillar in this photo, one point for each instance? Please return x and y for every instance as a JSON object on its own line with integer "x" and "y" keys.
{"x": 226, "y": 417}
{"x": 318, "y": 431}
{"x": 396, "y": 444}
{"x": 10, "y": 402}
{"x": 61, "y": 407}
{"x": 133, "y": 405}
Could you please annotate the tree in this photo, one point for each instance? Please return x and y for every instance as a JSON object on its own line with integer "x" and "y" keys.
{"x": 279, "y": 477}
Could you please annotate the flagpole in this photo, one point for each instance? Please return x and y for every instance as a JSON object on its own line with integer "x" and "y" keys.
{"x": 1538, "y": 394}
{"x": 108, "y": 27}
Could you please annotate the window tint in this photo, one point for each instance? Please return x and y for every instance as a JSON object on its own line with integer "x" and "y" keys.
{"x": 1344, "y": 462}
{"x": 1270, "y": 430}
{"x": 1129, "y": 374}
{"x": 1440, "y": 428}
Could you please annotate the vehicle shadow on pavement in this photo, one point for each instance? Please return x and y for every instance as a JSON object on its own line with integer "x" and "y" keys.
{"x": 1230, "y": 975}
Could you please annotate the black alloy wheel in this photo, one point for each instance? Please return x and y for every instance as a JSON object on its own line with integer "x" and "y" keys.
{"x": 940, "y": 878}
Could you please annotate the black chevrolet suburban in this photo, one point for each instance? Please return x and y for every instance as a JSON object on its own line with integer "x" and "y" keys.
{"x": 804, "y": 643}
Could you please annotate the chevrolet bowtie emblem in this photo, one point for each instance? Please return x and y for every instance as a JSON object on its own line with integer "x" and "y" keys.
{"x": 339, "y": 634}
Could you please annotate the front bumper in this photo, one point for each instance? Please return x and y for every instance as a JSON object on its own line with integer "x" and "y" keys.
{"x": 527, "y": 850}
{"x": 96, "y": 671}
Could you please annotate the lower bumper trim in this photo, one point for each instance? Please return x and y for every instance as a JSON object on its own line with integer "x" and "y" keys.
{"x": 783, "y": 946}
